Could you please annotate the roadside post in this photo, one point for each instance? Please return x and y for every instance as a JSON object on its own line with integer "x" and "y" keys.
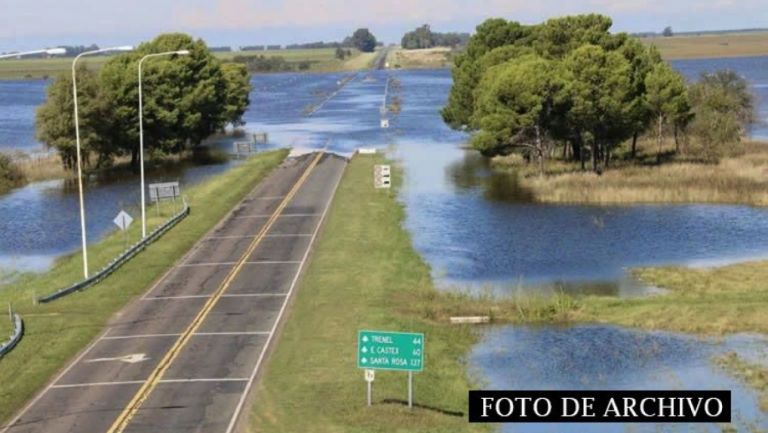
{"x": 396, "y": 351}
{"x": 369, "y": 376}
{"x": 382, "y": 176}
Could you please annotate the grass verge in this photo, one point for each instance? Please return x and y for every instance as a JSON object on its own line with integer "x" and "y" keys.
{"x": 364, "y": 274}
{"x": 56, "y": 332}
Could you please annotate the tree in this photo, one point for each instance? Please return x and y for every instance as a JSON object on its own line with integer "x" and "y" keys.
{"x": 55, "y": 119}
{"x": 184, "y": 98}
{"x": 667, "y": 32}
{"x": 641, "y": 60}
{"x": 722, "y": 106}
{"x": 340, "y": 53}
{"x": 517, "y": 106}
{"x": 665, "y": 96}
{"x": 599, "y": 93}
{"x": 238, "y": 91}
{"x": 491, "y": 34}
{"x": 363, "y": 40}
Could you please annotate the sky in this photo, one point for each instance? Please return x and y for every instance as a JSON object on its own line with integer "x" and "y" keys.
{"x": 31, "y": 24}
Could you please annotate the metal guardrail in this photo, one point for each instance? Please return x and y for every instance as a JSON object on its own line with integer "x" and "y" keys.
{"x": 120, "y": 260}
{"x": 18, "y": 332}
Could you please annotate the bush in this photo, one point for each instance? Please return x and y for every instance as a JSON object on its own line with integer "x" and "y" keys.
{"x": 11, "y": 175}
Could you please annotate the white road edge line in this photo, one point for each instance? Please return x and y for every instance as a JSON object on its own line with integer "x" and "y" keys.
{"x": 244, "y": 396}
{"x": 50, "y": 386}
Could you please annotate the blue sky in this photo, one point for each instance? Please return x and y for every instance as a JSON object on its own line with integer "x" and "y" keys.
{"x": 27, "y": 24}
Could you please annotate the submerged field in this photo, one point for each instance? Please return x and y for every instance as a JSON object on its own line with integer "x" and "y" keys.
{"x": 57, "y": 331}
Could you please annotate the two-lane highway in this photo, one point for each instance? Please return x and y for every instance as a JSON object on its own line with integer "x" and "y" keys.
{"x": 183, "y": 357}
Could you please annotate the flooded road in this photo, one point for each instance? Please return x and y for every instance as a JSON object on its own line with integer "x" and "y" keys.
{"x": 477, "y": 228}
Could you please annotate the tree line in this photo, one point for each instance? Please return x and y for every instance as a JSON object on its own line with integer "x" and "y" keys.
{"x": 424, "y": 37}
{"x": 186, "y": 100}
{"x": 569, "y": 82}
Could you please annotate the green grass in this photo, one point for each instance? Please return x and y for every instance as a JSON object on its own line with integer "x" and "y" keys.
{"x": 364, "y": 274}
{"x": 58, "y": 331}
{"x": 713, "y": 45}
{"x": 322, "y": 59}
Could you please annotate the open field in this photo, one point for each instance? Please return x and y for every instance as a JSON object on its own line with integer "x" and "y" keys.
{"x": 738, "y": 178}
{"x": 364, "y": 274}
{"x": 56, "y": 332}
{"x": 412, "y": 59}
{"x": 705, "y": 46}
{"x": 321, "y": 59}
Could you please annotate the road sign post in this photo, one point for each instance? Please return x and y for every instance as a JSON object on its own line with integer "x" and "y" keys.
{"x": 369, "y": 376}
{"x": 398, "y": 351}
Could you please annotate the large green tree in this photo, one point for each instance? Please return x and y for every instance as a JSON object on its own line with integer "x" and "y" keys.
{"x": 185, "y": 98}
{"x": 55, "y": 119}
{"x": 468, "y": 68}
{"x": 600, "y": 96}
{"x": 363, "y": 40}
{"x": 665, "y": 97}
{"x": 238, "y": 91}
{"x": 518, "y": 105}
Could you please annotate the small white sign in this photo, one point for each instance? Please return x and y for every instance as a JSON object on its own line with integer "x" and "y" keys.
{"x": 382, "y": 176}
{"x": 370, "y": 375}
{"x": 123, "y": 220}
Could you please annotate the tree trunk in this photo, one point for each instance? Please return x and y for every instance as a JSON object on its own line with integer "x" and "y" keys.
{"x": 607, "y": 159}
{"x": 659, "y": 135}
{"x": 677, "y": 141}
{"x": 540, "y": 151}
{"x": 634, "y": 145}
{"x": 594, "y": 156}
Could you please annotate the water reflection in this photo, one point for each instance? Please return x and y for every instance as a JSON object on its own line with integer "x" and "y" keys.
{"x": 473, "y": 172}
{"x": 608, "y": 357}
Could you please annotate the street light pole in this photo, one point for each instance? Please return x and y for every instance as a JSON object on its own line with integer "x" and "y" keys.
{"x": 49, "y": 51}
{"x": 141, "y": 134}
{"x": 79, "y": 157}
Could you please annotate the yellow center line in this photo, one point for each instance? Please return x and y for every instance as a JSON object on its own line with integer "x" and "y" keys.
{"x": 149, "y": 385}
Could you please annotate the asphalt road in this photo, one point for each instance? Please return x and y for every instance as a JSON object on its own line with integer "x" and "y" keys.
{"x": 184, "y": 356}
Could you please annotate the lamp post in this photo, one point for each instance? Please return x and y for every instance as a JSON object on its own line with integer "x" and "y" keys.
{"x": 79, "y": 158}
{"x": 49, "y": 51}
{"x": 141, "y": 134}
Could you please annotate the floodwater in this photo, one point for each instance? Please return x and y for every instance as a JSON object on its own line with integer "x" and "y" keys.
{"x": 478, "y": 228}
{"x": 599, "y": 357}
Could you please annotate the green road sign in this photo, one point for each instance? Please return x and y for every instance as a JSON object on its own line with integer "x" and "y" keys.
{"x": 381, "y": 350}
